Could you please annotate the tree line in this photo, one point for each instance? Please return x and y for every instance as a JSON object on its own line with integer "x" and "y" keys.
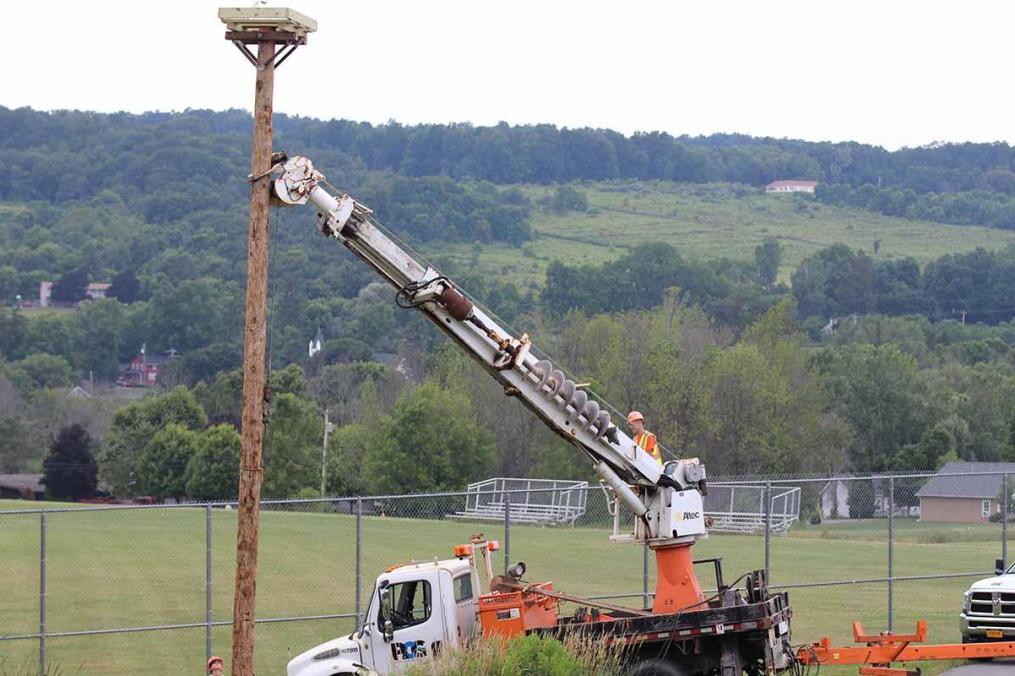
{"x": 879, "y": 393}
{"x": 168, "y": 166}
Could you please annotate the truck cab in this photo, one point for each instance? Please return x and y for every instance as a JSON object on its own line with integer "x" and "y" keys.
{"x": 415, "y": 611}
{"x": 988, "y": 608}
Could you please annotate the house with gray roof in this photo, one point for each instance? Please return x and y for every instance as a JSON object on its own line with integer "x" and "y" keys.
{"x": 26, "y": 486}
{"x": 965, "y": 492}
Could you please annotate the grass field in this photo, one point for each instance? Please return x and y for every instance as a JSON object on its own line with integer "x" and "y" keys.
{"x": 146, "y": 567}
{"x": 711, "y": 221}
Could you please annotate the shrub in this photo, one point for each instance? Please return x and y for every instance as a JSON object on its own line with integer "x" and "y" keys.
{"x": 527, "y": 656}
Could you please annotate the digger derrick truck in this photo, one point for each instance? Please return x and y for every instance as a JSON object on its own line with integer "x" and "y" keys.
{"x": 417, "y": 610}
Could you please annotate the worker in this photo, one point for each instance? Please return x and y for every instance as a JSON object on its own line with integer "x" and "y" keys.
{"x": 215, "y": 665}
{"x": 645, "y": 439}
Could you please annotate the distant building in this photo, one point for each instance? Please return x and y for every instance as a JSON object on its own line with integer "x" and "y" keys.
{"x": 143, "y": 370}
{"x": 24, "y": 486}
{"x": 791, "y": 186}
{"x": 835, "y": 500}
{"x": 966, "y": 497}
{"x": 93, "y": 291}
{"x": 314, "y": 347}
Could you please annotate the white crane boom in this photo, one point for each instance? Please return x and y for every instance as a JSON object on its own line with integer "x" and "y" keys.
{"x": 668, "y": 501}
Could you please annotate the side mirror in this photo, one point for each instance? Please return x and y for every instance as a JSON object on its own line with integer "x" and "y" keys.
{"x": 998, "y": 566}
{"x": 387, "y": 611}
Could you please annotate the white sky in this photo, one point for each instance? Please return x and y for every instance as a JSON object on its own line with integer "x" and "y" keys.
{"x": 891, "y": 72}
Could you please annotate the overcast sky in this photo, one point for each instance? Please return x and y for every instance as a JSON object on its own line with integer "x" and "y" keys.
{"x": 891, "y": 73}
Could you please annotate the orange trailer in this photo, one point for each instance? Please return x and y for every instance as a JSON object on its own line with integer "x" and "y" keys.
{"x": 879, "y": 651}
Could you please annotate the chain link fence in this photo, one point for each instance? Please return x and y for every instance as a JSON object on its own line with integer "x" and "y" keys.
{"x": 107, "y": 589}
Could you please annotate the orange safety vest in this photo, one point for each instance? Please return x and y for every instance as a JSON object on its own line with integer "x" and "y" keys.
{"x": 647, "y": 442}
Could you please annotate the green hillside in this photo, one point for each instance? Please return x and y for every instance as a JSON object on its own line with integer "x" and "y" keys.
{"x": 709, "y": 221}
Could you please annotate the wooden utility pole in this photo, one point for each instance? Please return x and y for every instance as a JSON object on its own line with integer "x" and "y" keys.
{"x": 324, "y": 453}
{"x": 254, "y": 391}
{"x": 268, "y": 28}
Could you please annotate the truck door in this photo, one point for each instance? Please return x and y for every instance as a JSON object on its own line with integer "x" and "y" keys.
{"x": 417, "y": 624}
{"x": 465, "y": 607}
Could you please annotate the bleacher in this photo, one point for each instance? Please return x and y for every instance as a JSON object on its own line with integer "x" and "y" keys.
{"x": 740, "y": 508}
{"x": 545, "y": 502}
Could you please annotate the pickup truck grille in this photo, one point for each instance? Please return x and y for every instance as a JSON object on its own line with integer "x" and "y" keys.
{"x": 996, "y": 604}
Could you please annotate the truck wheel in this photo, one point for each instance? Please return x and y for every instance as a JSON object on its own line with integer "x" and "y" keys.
{"x": 654, "y": 667}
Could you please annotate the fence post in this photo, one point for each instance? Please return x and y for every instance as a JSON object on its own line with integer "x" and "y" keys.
{"x": 768, "y": 531}
{"x": 42, "y": 592}
{"x": 891, "y": 551}
{"x": 359, "y": 554}
{"x": 207, "y": 582}
{"x": 1004, "y": 519}
{"x": 507, "y": 531}
{"x": 644, "y": 576}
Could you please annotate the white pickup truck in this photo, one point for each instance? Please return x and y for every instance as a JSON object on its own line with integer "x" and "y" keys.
{"x": 988, "y": 608}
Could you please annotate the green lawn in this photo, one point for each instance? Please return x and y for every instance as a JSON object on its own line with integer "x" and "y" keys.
{"x": 146, "y": 567}
{"x": 710, "y": 221}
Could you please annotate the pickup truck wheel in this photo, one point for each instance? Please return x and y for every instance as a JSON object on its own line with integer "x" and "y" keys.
{"x": 654, "y": 667}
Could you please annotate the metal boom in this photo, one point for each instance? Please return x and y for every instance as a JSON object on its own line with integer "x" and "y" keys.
{"x": 543, "y": 388}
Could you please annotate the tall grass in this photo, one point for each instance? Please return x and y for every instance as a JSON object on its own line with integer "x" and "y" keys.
{"x": 526, "y": 656}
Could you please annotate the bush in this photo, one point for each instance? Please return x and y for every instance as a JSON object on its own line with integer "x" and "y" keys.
{"x": 527, "y": 656}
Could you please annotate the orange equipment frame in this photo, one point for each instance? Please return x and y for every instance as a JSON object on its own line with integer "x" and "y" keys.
{"x": 881, "y": 650}
{"x": 677, "y": 587}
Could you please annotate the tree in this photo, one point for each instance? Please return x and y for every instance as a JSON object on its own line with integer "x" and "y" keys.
{"x": 428, "y": 443}
{"x": 69, "y": 470}
{"x": 162, "y": 463}
{"x": 71, "y": 287}
{"x": 125, "y": 287}
{"x": 192, "y": 314}
{"x": 337, "y": 387}
{"x": 222, "y": 400}
{"x": 100, "y": 331}
{"x": 16, "y": 446}
{"x": 133, "y": 427}
{"x": 213, "y": 472}
{"x": 290, "y": 379}
{"x": 13, "y": 333}
{"x": 346, "y": 448}
{"x": 207, "y": 362}
{"x": 568, "y": 198}
{"x": 41, "y": 371}
{"x": 881, "y": 393}
{"x": 292, "y": 446}
{"x": 767, "y": 257}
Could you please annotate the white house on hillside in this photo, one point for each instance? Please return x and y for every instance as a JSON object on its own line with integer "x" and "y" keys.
{"x": 791, "y": 186}
{"x": 94, "y": 291}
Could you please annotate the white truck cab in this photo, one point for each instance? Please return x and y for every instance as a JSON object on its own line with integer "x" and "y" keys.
{"x": 988, "y": 608}
{"x": 415, "y": 611}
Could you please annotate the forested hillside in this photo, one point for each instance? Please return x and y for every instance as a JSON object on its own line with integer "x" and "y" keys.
{"x": 865, "y": 327}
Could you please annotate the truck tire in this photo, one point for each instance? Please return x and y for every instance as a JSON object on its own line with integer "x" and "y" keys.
{"x": 656, "y": 667}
